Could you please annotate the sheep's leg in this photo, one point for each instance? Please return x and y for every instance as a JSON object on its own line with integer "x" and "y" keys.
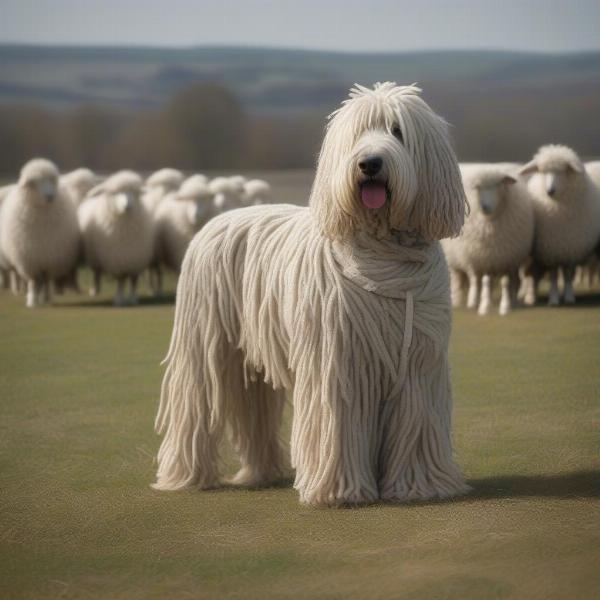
{"x": 159, "y": 281}
{"x": 15, "y": 282}
{"x": 486, "y": 295}
{"x": 4, "y": 279}
{"x": 31, "y": 298}
{"x": 133, "y": 297}
{"x": 569, "y": 294}
{"x": 120, "y": 295}
{"x": 506, "y": 301}
{"x": 514, "y": 286}
{"x": 156, "y": 279}
{"x": 473, "y": 294}
{"x": 554, "y": 297}
{"x": 457, "y": 287}
{"x": 96, "y": 285}
{"x": 44, "y": 291}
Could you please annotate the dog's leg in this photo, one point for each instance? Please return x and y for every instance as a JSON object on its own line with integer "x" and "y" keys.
{"x": 415, "y": 459}
{"x": 333, "y": 450}
{"x": 255, "y": 421}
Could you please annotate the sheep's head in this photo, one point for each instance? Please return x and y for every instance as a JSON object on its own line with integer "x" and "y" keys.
{"x": 555, "y": 169}
{"x": 122, "y": 191}
{"x": 225, "y": 194}
{"x": 256, "y": 191}
{"x": 196, "y": 193}
{"x": 39, "y": 178}
{"x": 166, "y": 180}
{"x": 487, "y": 188}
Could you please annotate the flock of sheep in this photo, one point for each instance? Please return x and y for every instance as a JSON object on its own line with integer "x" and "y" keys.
{"x": 524, "y": 222}
{"x": 50, "y": 225}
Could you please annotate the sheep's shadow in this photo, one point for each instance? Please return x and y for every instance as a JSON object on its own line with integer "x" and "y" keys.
{"x": 584, "y": 300}
{"x": 144, "y": 302}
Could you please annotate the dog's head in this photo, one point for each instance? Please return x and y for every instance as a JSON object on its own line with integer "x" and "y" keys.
{"x": 387, "y": 164}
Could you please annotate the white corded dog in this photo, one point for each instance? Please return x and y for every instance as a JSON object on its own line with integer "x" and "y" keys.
{"x": 346, "y": 304}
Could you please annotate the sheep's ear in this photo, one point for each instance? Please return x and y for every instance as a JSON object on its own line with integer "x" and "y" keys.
{"x": 96, "y": 191}
{"x": 529, "y": 168}
{"x": 575, "y": 166}
{"x": 509, "y": 180}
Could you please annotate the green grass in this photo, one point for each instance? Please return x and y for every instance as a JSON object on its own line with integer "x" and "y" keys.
{"x": 78, "y": 394}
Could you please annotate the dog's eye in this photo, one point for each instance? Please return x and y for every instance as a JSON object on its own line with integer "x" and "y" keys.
{"x": 397, "y": 132}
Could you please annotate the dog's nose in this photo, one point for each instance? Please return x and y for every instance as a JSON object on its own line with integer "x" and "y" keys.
{"x": 371, "y": 165}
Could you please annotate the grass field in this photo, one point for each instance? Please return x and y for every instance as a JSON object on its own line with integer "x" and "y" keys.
{"x": 78, "y": 394}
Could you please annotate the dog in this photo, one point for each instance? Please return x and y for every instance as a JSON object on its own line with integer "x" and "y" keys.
{"x": 343, "y": 304}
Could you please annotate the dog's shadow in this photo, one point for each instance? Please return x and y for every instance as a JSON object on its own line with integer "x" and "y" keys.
{"x": 564, "y": 486}
{"x": 577, "y": 484}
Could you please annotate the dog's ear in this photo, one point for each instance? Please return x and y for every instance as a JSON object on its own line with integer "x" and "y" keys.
{"x": 440, "y": 205}
{"x": 331, "y": 197}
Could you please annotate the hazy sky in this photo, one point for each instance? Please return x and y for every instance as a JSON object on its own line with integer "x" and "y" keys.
{"x": 388, "y": 25}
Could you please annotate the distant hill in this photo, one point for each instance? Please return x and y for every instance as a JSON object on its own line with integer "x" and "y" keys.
{"x": 108, "y": 107}
{"x": 270, "y": 80}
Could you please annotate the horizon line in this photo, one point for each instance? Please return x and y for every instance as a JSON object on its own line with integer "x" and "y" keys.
{"x": 267, "y": 47}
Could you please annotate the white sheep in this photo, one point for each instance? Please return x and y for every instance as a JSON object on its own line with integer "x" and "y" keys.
{"x": 227, "y": 194}
{"x": 593, "y": 170}
{"x": 5, "y": 268}
{"x": 39, "y": 233}
{"x": 179, "y": 217}
{"x": 256, "y": 191}
{"x": 566, "y": 205}
{"x": 158, "y": 185}
{"x": 78, "y": 184}
{"x": 588, "y": 273}
{"x": 496, "y": 238}
{"x": 117, "y": 232}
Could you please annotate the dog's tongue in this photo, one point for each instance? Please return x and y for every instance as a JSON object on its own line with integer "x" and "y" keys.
{"x": 372, "y": 194}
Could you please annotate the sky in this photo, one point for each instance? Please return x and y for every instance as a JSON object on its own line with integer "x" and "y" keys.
{"x": 346, "y": 25}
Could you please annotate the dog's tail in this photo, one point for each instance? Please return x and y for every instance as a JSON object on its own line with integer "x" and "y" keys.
{"x": 192, "y": 402}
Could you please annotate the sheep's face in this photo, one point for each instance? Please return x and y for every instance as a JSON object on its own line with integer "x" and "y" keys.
{"x": 226, "y": 201}
{"x": 386, "y": 164}
{"x": 198, "y": 212}
{"x": 39, "y": 179}
{"x": 42, "y": 190}
{"x": 491, "y": 196}
{"x": 125, "y": 201}
{"x": 554, "y": 170}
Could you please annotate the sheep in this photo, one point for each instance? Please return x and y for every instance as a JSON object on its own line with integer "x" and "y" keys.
{"x": 158, "y": 185}
{"x": 593, "y": 170}
{"x": 588, "y": 272}
{"x": 496, "y": 238}
{"x": 227, "y": 194}
{"x": 5, "y": 268}
{"x": 256, "y": 191}
{"x": 78, "y": 183}
{"x": 566, "y": 205}
{"x": 179, "y": 217}
{"x": 117, "y": 232}
{"x": 39, "y": 233}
